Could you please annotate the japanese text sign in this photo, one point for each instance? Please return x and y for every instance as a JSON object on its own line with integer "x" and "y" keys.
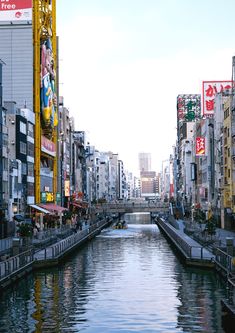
{"x": 209, "y": 90}
{"x": 188, "y": 107}
{"x": 200, "y": 146}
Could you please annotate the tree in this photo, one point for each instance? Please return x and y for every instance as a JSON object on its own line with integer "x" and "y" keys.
{"x": 199, "y": 216}
{"x": 211, "y": 226}
{"x": 25, "y": 230}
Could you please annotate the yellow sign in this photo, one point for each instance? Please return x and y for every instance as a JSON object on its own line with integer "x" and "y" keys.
{"x": 47, "y": 197}
{"x": 66, "y": 188}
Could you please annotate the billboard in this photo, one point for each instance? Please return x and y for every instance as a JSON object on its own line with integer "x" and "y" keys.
{"x": 209, "y": 91}
{"x": 15, "y": 10}
{"x": 188, "y": 107}
{"x": 200, "y": 146}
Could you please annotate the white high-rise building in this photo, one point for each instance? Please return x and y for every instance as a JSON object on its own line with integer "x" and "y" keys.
{"x": 144, "y": 161}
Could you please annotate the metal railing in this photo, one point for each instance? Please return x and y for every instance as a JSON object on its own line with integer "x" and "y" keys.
{"x": 191, "y": 251}
{"x": 56, "y": 250}
{"x": 16, "y": 263}
{"x": 5, "y": 244}
{"x": 225, "y": 261}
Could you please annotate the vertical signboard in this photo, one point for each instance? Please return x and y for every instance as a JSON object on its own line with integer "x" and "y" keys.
{"x": 188, "y": 107}
{"x": 66, "y": 188}
{"x": 15, "y": 10}
{"x": 209, "y": 91}
{"x": 200, "y": 146}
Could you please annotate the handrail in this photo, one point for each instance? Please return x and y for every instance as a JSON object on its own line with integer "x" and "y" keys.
{"x": 192, "y": 251}
{"x": 56, "y": 250}
{"x": 225, "y": 260}
{"x": 13, "y": 264}
{"x": 5, "y": 244}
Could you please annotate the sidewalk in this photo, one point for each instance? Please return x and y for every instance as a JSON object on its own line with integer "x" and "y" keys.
{"x": 219, "y": 239}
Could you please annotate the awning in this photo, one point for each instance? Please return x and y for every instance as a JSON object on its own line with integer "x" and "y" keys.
{"x": 75, "y": 204}
{"x": 40, "y": 209}
{"x": 53, "y": 207}
{"x": 18, "y": 218}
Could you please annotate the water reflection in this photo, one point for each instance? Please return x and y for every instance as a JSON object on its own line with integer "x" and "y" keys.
{"x": 122, "y": 281}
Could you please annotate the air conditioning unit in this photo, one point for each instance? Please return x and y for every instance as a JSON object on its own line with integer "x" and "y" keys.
{"x": 12, "y": 142}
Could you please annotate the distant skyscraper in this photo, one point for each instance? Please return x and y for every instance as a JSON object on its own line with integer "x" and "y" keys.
{"x": 144, "y": 161}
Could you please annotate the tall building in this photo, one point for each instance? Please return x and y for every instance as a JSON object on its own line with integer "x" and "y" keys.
{"x": 3, "y": 163}
{"x": 29, "y": 48}
{"x": 144, "y": 161}
{"x": 148, "y": 184}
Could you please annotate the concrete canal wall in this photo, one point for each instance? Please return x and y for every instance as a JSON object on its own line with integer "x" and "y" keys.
{"x": 193, "y": 253}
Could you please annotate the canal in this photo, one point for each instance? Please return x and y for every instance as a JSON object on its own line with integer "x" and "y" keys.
{"x": 122, "y": 281}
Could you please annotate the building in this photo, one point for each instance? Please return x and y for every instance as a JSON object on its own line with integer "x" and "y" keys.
{"x": 20, "y": 124}
{"x": 31, "y": 84}
{"x": 144, "y": 161}
{"x": 3, "y": 163}
{"x": 122, "y": 193}
{"x": 148, "y": 184}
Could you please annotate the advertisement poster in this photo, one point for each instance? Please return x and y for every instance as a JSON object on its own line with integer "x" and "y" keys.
{"x": 200, "y": 146}
{"x": 188, "y": 107}
{"x": 15, "y": 10}
{"x": 209, "y": 91}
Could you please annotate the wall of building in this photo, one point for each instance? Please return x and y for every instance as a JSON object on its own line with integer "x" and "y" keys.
{"x": 17, "y": 52}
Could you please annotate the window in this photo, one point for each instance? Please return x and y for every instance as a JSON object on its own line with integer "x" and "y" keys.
{"x": 24, "y": 169}
{"x": 22, "y": 147}
{"x": 4, "y": 140}
{"x": 30, "y": 189}
{"x": 30, "y": 149}
{"x": 22, "y": 127}
{"x": 30, "y": 130}
{"x": 31, "y": 169}
{"x": 4, "y": 164}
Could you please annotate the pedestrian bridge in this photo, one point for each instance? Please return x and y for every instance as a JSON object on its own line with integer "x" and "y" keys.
{"x": 127, "y": 207}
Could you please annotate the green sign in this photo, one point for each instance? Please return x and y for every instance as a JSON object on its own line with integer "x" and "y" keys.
{"x": 58, "y": 198}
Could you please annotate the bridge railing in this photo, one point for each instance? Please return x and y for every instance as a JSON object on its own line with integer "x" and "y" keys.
{"x": 131, "y": 205}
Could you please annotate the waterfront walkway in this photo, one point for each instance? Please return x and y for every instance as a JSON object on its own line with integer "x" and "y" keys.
{"x": 203, "y": 253}
{"x": 15, "y": 267}
{"x": 193, "y": 252}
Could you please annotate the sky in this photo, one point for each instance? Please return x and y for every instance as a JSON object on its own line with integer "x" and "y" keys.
{"x": 122, "y": 64}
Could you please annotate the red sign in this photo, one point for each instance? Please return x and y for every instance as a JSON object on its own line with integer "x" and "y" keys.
{"x": 200, "y": 146}
{"x": 15, "y": 10}
{"x": 209, "y": 91}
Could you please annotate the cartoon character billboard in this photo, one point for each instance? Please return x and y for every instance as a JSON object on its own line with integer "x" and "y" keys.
{"x": 209, "y": 90}
{"x": 15, "y": 10}
{"x": 48, "y": 93}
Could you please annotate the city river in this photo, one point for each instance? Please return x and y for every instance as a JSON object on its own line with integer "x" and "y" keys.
{"x": 122, "y": 281}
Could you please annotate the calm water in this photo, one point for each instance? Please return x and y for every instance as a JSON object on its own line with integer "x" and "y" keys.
{"x": 122, "y": 281}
